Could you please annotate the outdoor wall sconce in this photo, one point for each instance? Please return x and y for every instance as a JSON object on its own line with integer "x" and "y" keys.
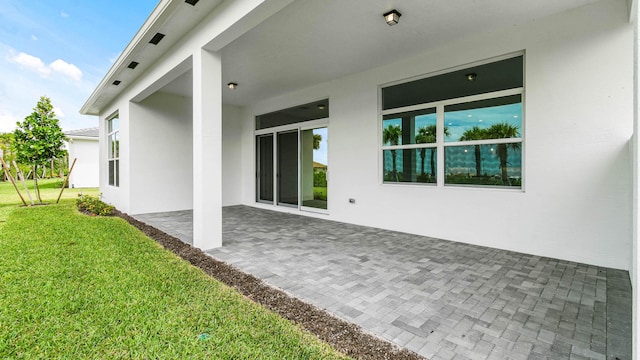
{"x": 471, "y": 76}
{"x": 232, "y": 85}
{"x": 392, "y": 17}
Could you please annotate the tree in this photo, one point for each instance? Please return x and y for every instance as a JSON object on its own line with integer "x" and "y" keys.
{"x": 317, "y": 138}
{"x": 427, "y": 135}
{"x": 475, "y": 133}
{"x": 6, "y": 143}
{"x": 39, "y": 139}
{"x": 391, "y": 135}
{"x": 504, "y": 131}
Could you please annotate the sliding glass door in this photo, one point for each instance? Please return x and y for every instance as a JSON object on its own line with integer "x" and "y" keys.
{"x": 264, "y": 164}
{"x": 314, "y": 168}
{"x": 292, "y": 168}
{"x": 287, "y": 168}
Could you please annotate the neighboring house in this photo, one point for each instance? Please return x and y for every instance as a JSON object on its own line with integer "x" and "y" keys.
{"x": 507, "y": 124}
{"x": 83, "y": 146}
{"x": 319, "y": 166}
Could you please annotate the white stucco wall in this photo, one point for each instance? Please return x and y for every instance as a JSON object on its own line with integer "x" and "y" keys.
{"x": 85, "y": 173}
{"x": 170, "y": 66}
{"x": 161, "y": 154}
{"x": 231, "y": 150}
{"x": 576, "y": 204}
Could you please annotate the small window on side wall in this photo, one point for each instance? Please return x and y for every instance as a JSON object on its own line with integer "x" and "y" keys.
{"x": 113, "y": 150}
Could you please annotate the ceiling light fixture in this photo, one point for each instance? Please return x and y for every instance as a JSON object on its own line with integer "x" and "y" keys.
{"x": 322, "y": 106}
{"x": 232, "y": 85}
{"x": 392, "y": 17}
{"x": 471, "y": 76}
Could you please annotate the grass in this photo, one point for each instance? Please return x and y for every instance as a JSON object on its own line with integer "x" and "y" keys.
{"x": 49, "y": 190}
{"x": 74, "y": 286}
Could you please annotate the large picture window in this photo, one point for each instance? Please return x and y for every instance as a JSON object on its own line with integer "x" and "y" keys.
{"x": 474, "y": 138}
{"x": 113, "y": 150}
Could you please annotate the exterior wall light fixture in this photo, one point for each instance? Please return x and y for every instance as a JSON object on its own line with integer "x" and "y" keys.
{"x": 232, "y": 85}
{"x": 471, "y": 76}
{"x": 392, "y": 17}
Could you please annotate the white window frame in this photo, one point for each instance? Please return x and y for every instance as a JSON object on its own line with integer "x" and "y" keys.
{"x": 111, "y": 135}
{"x": 440, "y": 144}
{"x": 274, "y": 131}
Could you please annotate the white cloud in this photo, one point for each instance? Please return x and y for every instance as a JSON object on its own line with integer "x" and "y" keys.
{"x": 64, "y": 14}
{"x": 20, "y": 89}
{"x": 67, "y": 69}
{"x": 8, "y": 122}
{"x": 30, "y": 62}
{"x": 34, "y": 63}
{"x": 59, "y": 113}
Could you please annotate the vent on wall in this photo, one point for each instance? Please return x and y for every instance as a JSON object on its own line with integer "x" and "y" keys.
{"x": 116, "y": 83}
{"x": 191, "y": 2}
{"x": 156, "y": 38}
{"x": 132, "y": 65}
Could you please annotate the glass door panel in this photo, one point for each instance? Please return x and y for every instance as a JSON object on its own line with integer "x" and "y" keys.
{"x": 314, "y": 168}
{"x": 287, "y": 168}
{"x": 264, "y": 156}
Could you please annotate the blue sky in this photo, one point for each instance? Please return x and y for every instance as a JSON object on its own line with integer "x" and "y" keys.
{"x": 61, "y": 49}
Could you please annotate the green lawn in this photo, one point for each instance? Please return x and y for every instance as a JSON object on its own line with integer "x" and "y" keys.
{"x": 49, "y": 190}
{"x": 74, "y": 286}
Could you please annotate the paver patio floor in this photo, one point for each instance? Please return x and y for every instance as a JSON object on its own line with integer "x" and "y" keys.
{"x": 441, "y": 299}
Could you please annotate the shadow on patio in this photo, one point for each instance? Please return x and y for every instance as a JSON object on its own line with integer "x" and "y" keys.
{"x": 435, "y": 297}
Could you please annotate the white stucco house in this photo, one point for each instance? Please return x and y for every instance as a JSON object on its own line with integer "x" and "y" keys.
{"x": 83, "y": 145}
{"x": 507, "y": 124}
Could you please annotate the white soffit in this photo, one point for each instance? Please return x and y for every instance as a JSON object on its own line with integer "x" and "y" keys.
{"x": 315, "y": 41}
{"x": 174, "y": 19}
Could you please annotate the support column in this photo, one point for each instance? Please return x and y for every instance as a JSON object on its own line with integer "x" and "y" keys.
{"x": 207, "y": 150}
{"x": 635, "y": 253}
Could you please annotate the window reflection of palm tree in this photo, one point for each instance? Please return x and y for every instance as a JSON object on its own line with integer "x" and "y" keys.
{"x": 475, "y": 133}
{"x": 391, "y": 135}
{"x": 504, "y": 131}
{"x": 427, "y": 135}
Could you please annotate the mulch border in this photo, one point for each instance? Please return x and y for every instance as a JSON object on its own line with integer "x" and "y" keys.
{"x": 346, "y": 337}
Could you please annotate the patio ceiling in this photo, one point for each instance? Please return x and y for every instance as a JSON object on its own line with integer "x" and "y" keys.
{"x": 314, "y": 41}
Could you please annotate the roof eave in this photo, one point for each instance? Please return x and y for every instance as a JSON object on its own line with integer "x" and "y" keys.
{"x": 158, "y": 12}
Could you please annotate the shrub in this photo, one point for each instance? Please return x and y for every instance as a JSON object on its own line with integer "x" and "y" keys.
{"x": 319, "y": 178}
{"x": 93, "y": 205}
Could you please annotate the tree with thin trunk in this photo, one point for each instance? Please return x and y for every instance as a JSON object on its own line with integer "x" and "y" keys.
{"x": 6, "y": 144}
{"x": 39, "y": 138}
{"x": 427, "y": 135}
{"x": 504, "y": 131}
{"x": 475, "y": 133}
{"x": 391, "y": 135}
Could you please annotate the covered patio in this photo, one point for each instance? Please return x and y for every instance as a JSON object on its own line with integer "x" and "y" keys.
{"x": 441, "y": 299}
